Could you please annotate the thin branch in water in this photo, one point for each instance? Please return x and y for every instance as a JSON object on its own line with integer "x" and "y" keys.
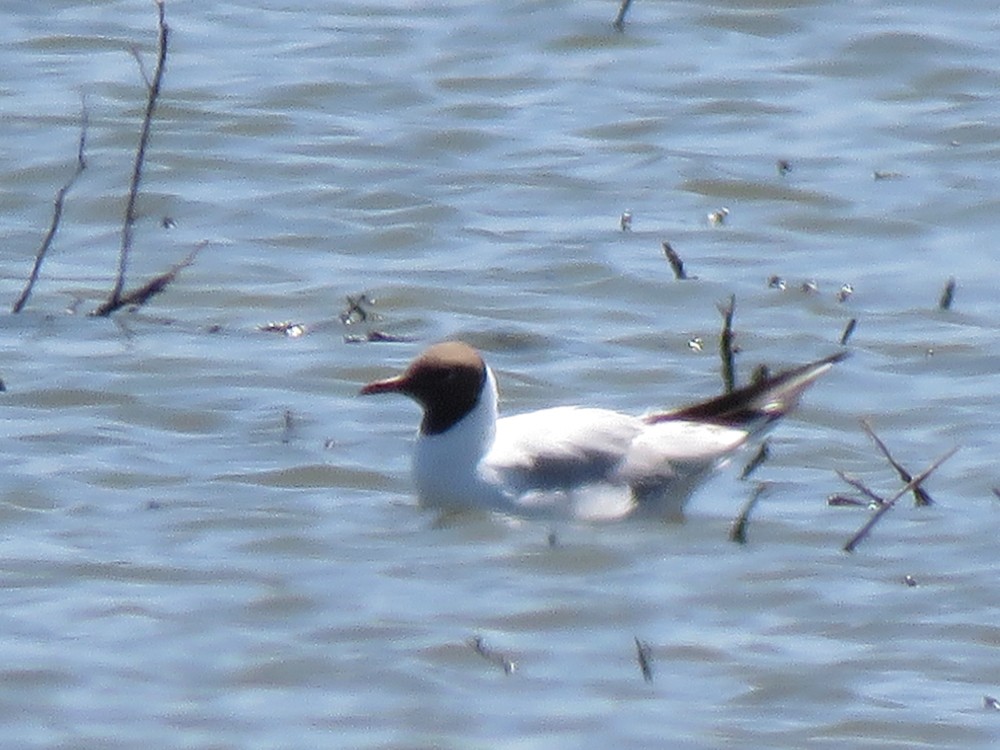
{"x": 762, "y": 454}
{"x": 619, "y": 22}
{"x": 920, "y": 495}
{"x": 134, "y": 51}
{"x": 726, "y": 345}
{"x": 57, "y": 209}
{"x": 675, "y": 261}
{"x": 848, "y": 330}
{"x": 142, "y": 295}
{"x": 873, "y": 497}
{"x": 915, "y": 482}
{"x": 948, "y": 295}
{"x": 644, "y": 655}
{"x": 840, "y": 501}
{"x": 738, "y": 532}
{"x": 114, "y": 300}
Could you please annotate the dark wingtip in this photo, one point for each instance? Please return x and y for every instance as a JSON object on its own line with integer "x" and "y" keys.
{"x": 763, "y": 401}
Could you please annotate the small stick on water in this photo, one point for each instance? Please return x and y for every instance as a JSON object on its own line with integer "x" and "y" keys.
{"x": 840, "y": 501}
{"x": 477, "y": 645}
{"x": 738, "y": 532}
{"x": 726, "y": 345}
{"x": 884, "y": 508}
{"x": 619, "y": 22}
{"x": 920, "y": 495}
{"x": 861, "y": 487}
{"x": 644, "y": 655}
{"x": 848, "y": 330}
{"x": 114, "y": 301}
{"x": 675, "y": 261}
{"x": 57, "y": 209}
{"x": 762, "y": 454}
{"x": 142, "y": 295}
{"x": 948, "y": 295}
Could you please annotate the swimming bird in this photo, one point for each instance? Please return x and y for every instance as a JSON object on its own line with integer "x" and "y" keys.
{"x": 576, "y": 461}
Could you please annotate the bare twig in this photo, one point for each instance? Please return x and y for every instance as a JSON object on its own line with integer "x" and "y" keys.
{"x": 884, "y": 508}
{"x": 920, "y": 495}
{"x": 154, "y": 286}
{"x": 114, "y": 300}
{"x": 675, "y": 261}
{"x": 619, "y": 22}
{"x": 738, "y": 532}
{"x": 948, "y": 295}
{"x": 848, "y": 330}
{"x": 644, "y": 655}
{"x": 762, "y": 454}
{"x": 57, "y": 209}
{"x": 726, "y": 345}
{"x": 861, "y": 487}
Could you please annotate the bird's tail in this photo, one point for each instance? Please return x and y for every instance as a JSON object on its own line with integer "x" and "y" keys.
{"x": 760, "y": 402}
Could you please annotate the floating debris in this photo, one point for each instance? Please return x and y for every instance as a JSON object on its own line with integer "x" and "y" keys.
{"x": 846, "y": 290}
{"x": 784, "y": 166}
{"x": 776, "y": 282}
{"x": 644, "y": 655}
{"x": 355, "y": 311}
{"x": 848, "y": 330}
{"x": 717, "y": 218}
{"x": 948, "y": 295}
{"x": 626, "y": 221}
{"x": 841, "y": 501}
{"x": 880, "y": 175}
{"x": 675, "y": 261}
{"x": 508, "y": 665}
{"x": 287, "y": 327}
{"x": 377, "y": 336}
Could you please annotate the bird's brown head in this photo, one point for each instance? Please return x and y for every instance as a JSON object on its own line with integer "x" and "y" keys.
{"x": 446, "y": 380}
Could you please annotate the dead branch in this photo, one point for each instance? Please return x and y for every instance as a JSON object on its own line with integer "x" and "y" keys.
{"x": 57, "y": 209}
{"x": 762, "y": 454}
{"x": 947, "y": 295}
{"x": 675, "y": 261}
{"x": 861, "y": 487}
{"x": 920, "y": 495}
{"x": 738, "y": 532}
{"x": 848, "y": 330}
{"x": 140, "y": 296}
{"x": 644, "y": 655}
{"x": 726, "y": 345}
{"x": 884, "y": 508}
{"x": 114, "y": 301}
{"x": 619, "y": 22}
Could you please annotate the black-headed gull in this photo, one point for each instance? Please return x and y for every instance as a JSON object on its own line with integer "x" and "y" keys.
{"x": 578, "y": 461}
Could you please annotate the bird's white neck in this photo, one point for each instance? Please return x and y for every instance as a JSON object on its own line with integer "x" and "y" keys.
{"x": 446, "y": 465}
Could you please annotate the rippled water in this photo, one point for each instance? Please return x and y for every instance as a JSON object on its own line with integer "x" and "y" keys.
{"x": 209, "y": 541}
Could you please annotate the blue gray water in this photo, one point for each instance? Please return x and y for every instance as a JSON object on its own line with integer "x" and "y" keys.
{"x": 210, "y": 542}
